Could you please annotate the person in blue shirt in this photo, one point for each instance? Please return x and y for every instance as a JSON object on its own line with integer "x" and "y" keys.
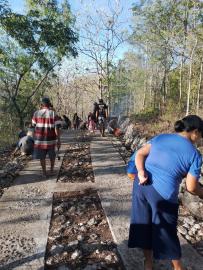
{"x": 162, "y": 163}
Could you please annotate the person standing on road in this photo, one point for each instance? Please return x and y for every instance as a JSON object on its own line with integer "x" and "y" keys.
{"x": 67, "y": 121}
{"x": 95, "y": 109}
{"x": 76, "y": 121}
{"x": 101, "y": 116}
{"x": 162, "y": 163}
{"x": 90, "y": 122}
{"x": 46, "y": 135}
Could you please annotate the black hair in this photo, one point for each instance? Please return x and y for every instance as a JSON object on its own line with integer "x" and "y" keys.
{"x": 189, "y": 123}
{"x": 101, "y": 100}
{"x": 45, "y": 101}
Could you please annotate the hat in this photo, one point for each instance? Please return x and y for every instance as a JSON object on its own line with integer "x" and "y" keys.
{"x": 45, "y": 101}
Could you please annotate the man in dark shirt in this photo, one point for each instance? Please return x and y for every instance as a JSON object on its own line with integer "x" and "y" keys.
{"x": 101, "y": 115}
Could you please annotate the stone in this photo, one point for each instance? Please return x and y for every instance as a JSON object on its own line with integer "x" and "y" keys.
{"x": 75, "y": 254}
{"x": 108, "y": 258}
{"x": 73, "y": 243}
{"x": 200, "y": 233}
{"x": 182, "y": 230}
{"x": 186, "y": 225}
{"x": 72, "y": 209}
{"x": 193, "y": 204}
{"x": 124, "y": 124}
{"x": 59, "y": 208}
{"x": 56, "y": 249}
{"x": 53, "y": 238}
{"x": 190, "y": 233}
{"x": 49, "y": 261}
{"x": 91, "y": 222}
{"x": 103, "y": 222}
{"x": 67, "y": 224}
{"x": 93, "y": 236}
{"x": 142, "y": 141}
{"x": 80, "y": 238}
{"x": 188, "y": 237}
{"x": 130, "y": 132}
{"x": 189, "y": 220}
{"x": 82, "y": 229}
{"x": 198, "y": 238}
{"x": 60, "y": 219}
{"x": 56, "y": 231}
{"x": 197, "y": 226}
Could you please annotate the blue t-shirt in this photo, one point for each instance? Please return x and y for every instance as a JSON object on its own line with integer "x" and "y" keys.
{"x": 170, "y": 159}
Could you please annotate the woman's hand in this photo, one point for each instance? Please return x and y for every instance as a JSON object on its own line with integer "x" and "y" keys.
{"x": 193, "y": 186}
{"x": 142, "y": 176}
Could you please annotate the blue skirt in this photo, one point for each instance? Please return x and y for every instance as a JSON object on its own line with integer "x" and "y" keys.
{"x": 154, "y": 223}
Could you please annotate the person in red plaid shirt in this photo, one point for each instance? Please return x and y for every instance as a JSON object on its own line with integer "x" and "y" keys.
{"x": 46, "y": 135}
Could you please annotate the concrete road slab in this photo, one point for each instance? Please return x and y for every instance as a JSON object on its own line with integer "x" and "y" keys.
{"x": 115, "y": 192}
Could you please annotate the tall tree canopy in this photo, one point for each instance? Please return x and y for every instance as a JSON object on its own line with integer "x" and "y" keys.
{"x": 33, "y": 43}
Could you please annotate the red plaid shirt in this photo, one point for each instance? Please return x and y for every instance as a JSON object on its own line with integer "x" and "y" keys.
{"x": 45, "y": 121}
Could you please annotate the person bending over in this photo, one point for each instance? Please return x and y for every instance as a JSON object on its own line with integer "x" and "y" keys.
{"x": 25, "y": 144}
{"x": 162, "y": 163}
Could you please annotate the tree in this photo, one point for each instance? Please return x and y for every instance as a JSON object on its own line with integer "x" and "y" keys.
{"x": 101, "y": 35}
{"x": 75, "y": 93}
{"x": 168, "y": 35}
{"x": 33, "y": 45}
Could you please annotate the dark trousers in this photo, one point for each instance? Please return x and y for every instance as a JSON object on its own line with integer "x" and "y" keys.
{"x": 154, "y": 223}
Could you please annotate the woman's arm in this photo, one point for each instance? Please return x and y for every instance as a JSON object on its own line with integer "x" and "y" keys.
{"x": 141, "y": 155}
{"x": 193, "y": 186}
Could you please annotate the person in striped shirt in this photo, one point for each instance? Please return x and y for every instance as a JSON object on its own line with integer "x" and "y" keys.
{"x": 46, "y": 135}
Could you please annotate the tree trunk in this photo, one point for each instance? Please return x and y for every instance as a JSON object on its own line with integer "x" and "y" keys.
{"x": 144, "y": 96}
{"x": 199, "y": 86}
{"x": 185, "y": 25}
{"x": 180, "y": 80}
{"x": 108, "y": 80}
{"x": 150, "y": 90}
{"x": 190, "y": 78}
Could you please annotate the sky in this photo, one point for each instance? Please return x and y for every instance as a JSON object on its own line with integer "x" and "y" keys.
{"x": 18, "y": 5}
{"x": 80, "y": 7}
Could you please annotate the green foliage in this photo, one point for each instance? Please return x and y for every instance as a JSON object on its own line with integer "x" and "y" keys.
{"x": 164, "y": 37}
{"x": 32, "y": 45}
{"x": 146, "y": 116}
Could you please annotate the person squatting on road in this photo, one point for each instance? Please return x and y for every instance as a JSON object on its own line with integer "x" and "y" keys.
{"x": 46, "y": 135}
{"x": 162, "y": 163}
{"x": 25, "y": 144}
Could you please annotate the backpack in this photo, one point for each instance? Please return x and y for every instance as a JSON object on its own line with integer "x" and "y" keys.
{"x": 131, "y": 168}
